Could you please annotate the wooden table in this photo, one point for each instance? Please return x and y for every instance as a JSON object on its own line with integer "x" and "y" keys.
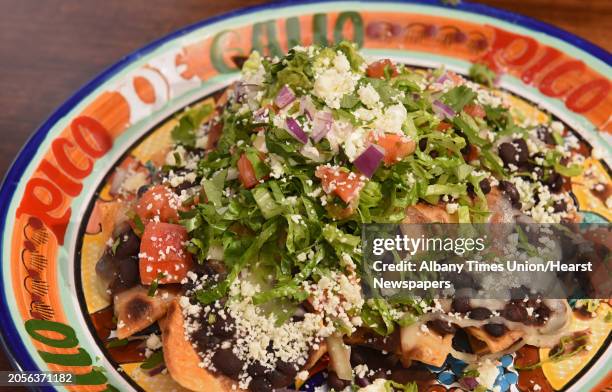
{"x": 48, "y": 49}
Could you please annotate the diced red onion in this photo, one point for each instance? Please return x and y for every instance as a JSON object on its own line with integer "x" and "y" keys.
{"x": 157, "y": 370}
{"x": 240, "y": 90}
{"x": 469, "y": 382}
{"x": 285, "y": 97}
{"x": 443, "y": 78}
{"x": 294, "y": 128}
{"x": 369, "y": 160}
{"x": 443, "y": 110}
{"x": 261, "y": 115}
{"x": 307, "y": 107}
{"x": 321, "y": 125}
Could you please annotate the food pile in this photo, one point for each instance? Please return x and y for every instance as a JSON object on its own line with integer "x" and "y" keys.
{"x": 245, "y": 245}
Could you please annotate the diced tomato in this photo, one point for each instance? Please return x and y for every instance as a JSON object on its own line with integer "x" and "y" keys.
{"x": 346, "y": 185}
{"x": 396, "y": 147}
{"x": 377, "y": 69}
{"x": 162, "y": 253}
{"x": 443, "y": 126}
{"x": 475, "y": 110}
{"x": 246, "y": 173}
{"x": 158, "y": 201}
{"x": 472, "y": 154}
{"x": 457, "y": 79}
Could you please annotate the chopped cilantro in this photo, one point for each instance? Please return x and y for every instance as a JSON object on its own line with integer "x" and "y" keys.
{"x": 115, "y": 245}
{"x": 154, "y": 285}
{"x": 156, "y": 359}
{"x": 138, "y": 225}
{"x": 117, "y": 343}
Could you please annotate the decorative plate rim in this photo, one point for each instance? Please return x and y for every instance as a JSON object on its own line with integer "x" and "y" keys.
{"x": 17, "y": 352}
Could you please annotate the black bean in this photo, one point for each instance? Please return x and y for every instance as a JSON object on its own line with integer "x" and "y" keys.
{"x": 362, "y": 382}
{"x": 485, "y": 186}
{"x": 357, "y": 357}
{"x": 441, "y": 327}
{"x": 545, "y": 135}
{"x": 522, "y": 151}
{"x": 107, "y": 267}
{"x": 461, "y": 281}
{"x": 239, "y": 60}
{"x": 520, "y": 292}
{"x": 559, "y": 206}
{"x": 227, "y": 362}
{"x": 260, "y": 384}
{"x": 423, "y": 144}
{"x": 142, "y": 190}
{"x": 256, "y": 369}
{"x": 379, "y": 374}
{"x": 183, "y": 186}
{"x": 215, "y": 267}
{"x": 470, "y": 190}
{"x": 335, "y": 382}
{"x": 539, "y": 172}
{"x": 126, "y": 276}
{"x": 461, "y": 305}
{"x": 401, "y": 375}
{"x": 508, "y": 154}
{"x": 286, "y": 368}
{"x": 201, "y": 338}
{"x": 479, "y": 314}
{"x": 495, "y": 330}
{"x": 542, "y": 314}
{"x": 510, "y": 191}
{"x": 390, "y": 361}
{"x": 223, "y": 327}
{"x": 129, "y": 245}
{"x": 279, "y": 379}
{"x": 569, "y": 249}
{"x": 515, "y": 312}
{"x": 388, "y": 258}
{"x": 554, "y": 182}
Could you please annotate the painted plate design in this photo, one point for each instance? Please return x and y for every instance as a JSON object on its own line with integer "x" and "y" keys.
{"x": 56, "y": 198}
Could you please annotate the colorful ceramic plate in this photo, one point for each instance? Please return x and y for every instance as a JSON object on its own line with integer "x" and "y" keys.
{"x": 55, "y": 194}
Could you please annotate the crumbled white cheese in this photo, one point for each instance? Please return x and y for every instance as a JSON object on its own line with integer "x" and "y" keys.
{"x": 378, "y": 385}
{"x": 392, "y": 119}
{"x": 153, "y": 342}
{"x": 451, "y": 208}
{"x": 355, "y": 143}
{"x": 171, "y": 157}
{"x": 487, "y": 374}
{"x": 133, "y": 182}
{"x": 331, "y": 84}
{"x": 369, "y": 96}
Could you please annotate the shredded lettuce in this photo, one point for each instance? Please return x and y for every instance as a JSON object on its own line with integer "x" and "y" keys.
{"x": 482, "y": 74}
{"x": 185, "y": 131}
{"x": 377, "y": 315}
{"x": 286, "y": 229}
{"x": 213, "y": 188}
{"x": 263, "y": 197}
{"x": 458, "y": 97}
